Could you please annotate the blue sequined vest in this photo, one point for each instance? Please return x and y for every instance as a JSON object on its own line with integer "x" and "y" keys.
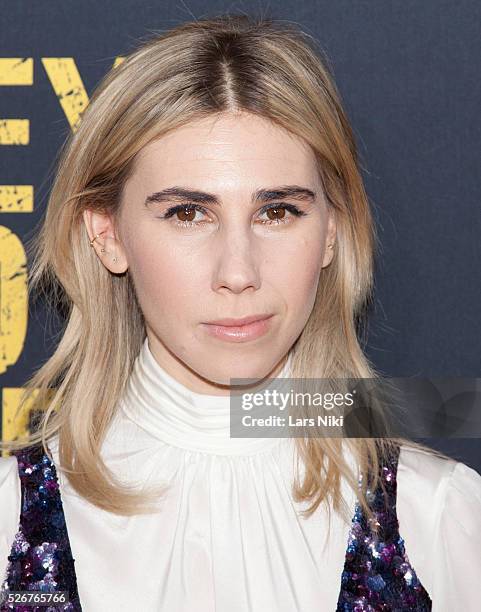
{"x": 377, "y": 574}
{"x": 41, "y": 558}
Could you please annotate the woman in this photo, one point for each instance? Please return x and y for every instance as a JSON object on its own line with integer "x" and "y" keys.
{"x": 213, "y": 177}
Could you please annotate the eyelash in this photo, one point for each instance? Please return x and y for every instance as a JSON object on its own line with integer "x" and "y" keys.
{"x": 294, "y": 210}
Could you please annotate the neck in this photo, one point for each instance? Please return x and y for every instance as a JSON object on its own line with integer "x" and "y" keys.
{"x": 179, "y": 416}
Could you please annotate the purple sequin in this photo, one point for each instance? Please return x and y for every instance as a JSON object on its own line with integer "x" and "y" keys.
{"x": 377, "y": 575}
{"x": 40, "y": 559}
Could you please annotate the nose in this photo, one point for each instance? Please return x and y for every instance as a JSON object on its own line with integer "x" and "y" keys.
{"x": 237, "y": 263}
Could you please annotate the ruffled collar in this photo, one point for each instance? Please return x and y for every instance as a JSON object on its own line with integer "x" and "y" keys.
{"x": 171, "y": 412}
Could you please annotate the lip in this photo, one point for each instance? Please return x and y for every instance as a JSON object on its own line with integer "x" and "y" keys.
{"x": 238, "y": 322}
{"x": 239, "y": 330}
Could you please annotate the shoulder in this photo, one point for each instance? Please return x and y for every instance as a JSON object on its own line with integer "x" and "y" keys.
{"x": 433, "y": 486}
{"x": 427, "y": 476}
{"x": 423, "y": 480}
{"x": 439, "y": 511}
{"x": 10, "y": 499}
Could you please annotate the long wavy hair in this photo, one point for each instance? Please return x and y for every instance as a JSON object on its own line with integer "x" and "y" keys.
{"x": 228, "y": 63}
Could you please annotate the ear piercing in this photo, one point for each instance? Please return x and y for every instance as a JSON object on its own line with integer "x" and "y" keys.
{"x": 94, "y": 239}
{"x": 102, "y": 250}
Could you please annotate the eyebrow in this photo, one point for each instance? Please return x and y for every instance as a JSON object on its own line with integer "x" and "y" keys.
{"x": 293, "y": 192}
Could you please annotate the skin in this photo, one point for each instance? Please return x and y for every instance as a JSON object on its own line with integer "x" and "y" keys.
{"x": 228, "y": 263}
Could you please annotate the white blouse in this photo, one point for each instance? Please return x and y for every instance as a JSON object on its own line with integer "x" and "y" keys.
{"x": 229, "y": 537}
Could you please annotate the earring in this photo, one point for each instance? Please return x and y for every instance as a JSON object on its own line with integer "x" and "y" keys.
{"x": 94, "y": 239}
{"x": 330, "y": 246}
{"x": 102, "y": 250}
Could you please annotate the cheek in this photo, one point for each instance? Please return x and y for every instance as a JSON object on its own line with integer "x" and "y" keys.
{"x": 166, "y": 281}
{"x": 294, "y": 269}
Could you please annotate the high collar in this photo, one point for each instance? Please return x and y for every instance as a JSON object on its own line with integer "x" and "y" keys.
{"x": 171, "y": 412}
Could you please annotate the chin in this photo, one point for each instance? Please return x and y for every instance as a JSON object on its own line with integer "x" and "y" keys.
{"x": 245, "y": 370}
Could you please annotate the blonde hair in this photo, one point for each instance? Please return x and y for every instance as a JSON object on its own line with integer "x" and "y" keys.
{"x": 198, "y": 69}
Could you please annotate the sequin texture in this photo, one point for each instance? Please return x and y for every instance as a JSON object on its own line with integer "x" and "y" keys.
{"x": 377, "y": 575}
{"x": 40, "y": 558}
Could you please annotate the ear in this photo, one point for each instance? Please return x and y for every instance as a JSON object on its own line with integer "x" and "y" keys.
{"x": 330, "y": 239}
{"x": 107, "y": 246}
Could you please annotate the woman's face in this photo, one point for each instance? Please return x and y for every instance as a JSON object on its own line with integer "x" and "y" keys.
{"x": 225, "y": 255}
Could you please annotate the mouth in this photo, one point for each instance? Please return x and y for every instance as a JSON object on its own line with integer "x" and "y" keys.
{"x": 228, "y": 322}
{"x": 239, "y": 330}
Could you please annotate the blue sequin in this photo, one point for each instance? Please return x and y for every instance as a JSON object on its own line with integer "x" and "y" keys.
{"x": 377, "y": 575}
{"x": 40, "y": 558}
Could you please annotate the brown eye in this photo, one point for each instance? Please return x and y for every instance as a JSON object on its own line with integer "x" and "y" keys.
{"x": 186, "y": 214}
{"x": 276, "y": 213}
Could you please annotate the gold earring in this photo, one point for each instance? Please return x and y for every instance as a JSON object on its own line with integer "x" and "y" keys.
{"x": 94, "y": 239}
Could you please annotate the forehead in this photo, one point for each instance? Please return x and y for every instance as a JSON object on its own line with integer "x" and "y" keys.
{"x": 228, "y": 147}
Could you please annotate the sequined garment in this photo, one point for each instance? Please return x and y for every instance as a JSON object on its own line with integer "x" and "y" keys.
{"x": 41, "y": 558}
{"x": 377, "y": 575}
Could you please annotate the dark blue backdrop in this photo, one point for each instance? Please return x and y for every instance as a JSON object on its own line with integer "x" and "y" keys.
{"x": 408, "y": 73}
